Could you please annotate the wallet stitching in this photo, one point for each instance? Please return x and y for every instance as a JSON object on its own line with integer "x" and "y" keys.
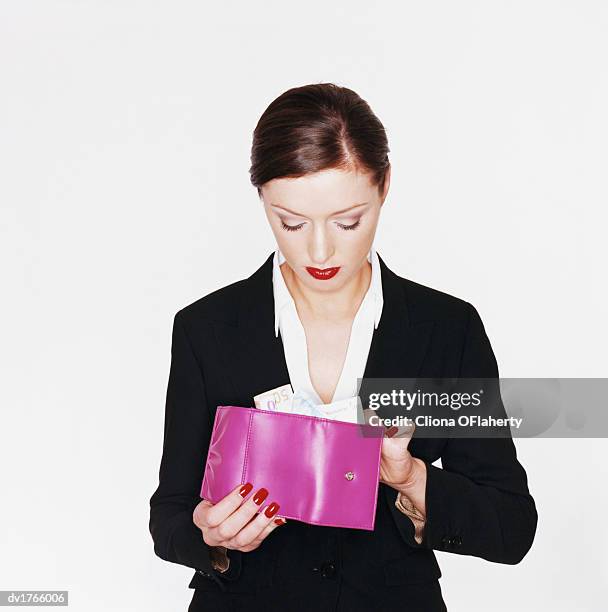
{"x": 377, "y": 483}
{"x": 247, "y": 447}
{"x": 301, "y": 416}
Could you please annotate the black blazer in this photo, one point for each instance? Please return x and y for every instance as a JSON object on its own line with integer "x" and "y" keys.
{"x": 224, "y": 351}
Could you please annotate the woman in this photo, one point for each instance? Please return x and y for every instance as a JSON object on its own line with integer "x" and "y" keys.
{"x": 321, "y": 311}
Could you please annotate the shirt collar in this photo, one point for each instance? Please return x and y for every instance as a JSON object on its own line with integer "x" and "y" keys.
{"x": 282, "y": 297}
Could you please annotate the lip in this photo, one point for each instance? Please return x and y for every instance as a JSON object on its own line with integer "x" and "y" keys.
{"x": 323, "y": 273}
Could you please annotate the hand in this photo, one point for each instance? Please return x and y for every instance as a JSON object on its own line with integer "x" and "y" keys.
{"x": 400, "y": 470}
{"x": 237, "y": 524}
{"x": 397, "y": 466}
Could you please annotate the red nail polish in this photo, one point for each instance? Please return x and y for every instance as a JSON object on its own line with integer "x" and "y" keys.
{"x": 260, "y": 496}
{"x": 245, "y": 489}
{"x": 272, "y": 510}
{"x": 280, "y": 521}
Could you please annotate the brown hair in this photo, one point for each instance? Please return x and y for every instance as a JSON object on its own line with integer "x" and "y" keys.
{"x": 317, "y": 127}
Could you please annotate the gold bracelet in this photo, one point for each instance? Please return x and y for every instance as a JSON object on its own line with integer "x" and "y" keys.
{"x": 404, "y": 505}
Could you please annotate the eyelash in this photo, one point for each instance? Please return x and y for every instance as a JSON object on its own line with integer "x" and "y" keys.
{"x": 350, "y": 227}
{"x": 295, "y": 228}
{"x": 291, "y": 228}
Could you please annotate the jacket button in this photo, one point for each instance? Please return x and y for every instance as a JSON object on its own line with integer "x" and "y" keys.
{"x": 457, "y": 540}
{"x": 328, "y": 570}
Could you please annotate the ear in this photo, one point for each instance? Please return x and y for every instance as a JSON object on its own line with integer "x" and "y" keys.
{"x": 387, "y": 182}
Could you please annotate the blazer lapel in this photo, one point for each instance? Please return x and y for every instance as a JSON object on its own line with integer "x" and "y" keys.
{"x": 399, "y": 344}
{"x": 256, "y": 358}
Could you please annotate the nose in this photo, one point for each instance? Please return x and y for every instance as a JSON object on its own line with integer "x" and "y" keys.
{"x": 321, "y": 249}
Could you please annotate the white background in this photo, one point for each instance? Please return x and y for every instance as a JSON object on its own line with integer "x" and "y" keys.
{"x": 124, "y": 153}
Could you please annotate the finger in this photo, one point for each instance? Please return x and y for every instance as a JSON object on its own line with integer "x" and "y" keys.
{"x": 232, "y": 524}
{"x": 252, "y": 534}
{"x": 400, "y": 431}
{"x": 213, "y": 514}
{"x": 276, "y": 522}
{"x": 198, "y": 515}
{"x": 272, "y": 525}
{"x": 406, "y": 431}
{"x": 391, "y": 431}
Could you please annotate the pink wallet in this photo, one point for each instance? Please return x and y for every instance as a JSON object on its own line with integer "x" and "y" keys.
{"x": 319, "y": 471}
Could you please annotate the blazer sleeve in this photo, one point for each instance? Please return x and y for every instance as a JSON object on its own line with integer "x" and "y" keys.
{"x": 478, "y": 503}
{"x": 187, "y": 431}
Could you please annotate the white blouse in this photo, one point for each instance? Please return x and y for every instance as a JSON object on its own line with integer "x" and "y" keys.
{"x": 344, "y": 403}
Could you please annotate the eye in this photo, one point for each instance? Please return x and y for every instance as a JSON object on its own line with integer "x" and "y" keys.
{"x": 291, "y": 228}
{"x": 349, "y": 227}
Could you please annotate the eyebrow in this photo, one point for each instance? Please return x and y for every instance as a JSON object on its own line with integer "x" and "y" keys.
{"x": 338, "y": 212}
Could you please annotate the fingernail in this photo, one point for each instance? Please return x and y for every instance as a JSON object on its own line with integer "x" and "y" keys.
{"x": 272, "y": 510}
{"x": 245, "y": 489}
{"x": 280, "y": 521}
{"x": 260, "y": 496}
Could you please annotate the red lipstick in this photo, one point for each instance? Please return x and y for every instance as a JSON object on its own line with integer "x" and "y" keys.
{"x": 323, "y": 273}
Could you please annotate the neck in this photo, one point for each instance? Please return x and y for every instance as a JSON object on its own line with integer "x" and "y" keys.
{"x": 334, "y": 306}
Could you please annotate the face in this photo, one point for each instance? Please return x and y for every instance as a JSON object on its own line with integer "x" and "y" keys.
{"x": 324, "y": 224}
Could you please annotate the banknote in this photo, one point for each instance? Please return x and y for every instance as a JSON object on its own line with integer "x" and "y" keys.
{"x": 278, "y": 399}
{"x": 283, "y": 399}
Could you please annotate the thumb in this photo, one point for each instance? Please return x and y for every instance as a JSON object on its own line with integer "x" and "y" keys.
{"x": 200, "y": 508}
